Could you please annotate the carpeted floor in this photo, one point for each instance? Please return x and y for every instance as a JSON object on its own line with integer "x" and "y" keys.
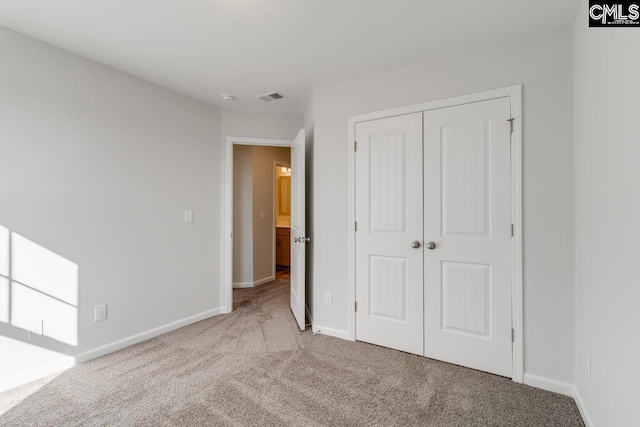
{"x": 253, "y": 367}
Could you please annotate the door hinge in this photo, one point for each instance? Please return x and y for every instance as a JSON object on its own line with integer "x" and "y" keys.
{"x": 513, "y": 335}
{"x": 512, "y": 230}
{"x": 355, "y": 306}
{"x": 510, "y": 124}
{"x": 355, "y": 146}
{"x": 356, "y": 226}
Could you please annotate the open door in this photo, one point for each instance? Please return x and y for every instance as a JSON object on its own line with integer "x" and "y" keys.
{"x": 298, "y": 231}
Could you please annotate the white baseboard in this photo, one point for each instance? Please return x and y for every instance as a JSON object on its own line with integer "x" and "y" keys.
{"x": 582, "y": 408}
{"x": 549, "y": 384}
{"x": 265, "y": 280}
{"x": 143, "y": 336}
{"x": 240, "y": 285}
{"x": 332, "y": 332}
{"x": 561, "y": 387}
{"x": 36, "y": 374}
{"x": 71, "y": 361}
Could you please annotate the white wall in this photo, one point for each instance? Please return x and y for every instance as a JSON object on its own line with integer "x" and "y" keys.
{"x": 98, "y": 167}
{"x": 543, "y": 63}
{"x": 260, "y": 125}
{"x": 607, "y": 209}
{"x": 243, "y": 214}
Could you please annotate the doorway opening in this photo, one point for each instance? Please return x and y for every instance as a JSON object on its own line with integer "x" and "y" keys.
{"x": 261, "y": 214}
{"x": 282, "y": 190}
{"x": 249, "y": 232}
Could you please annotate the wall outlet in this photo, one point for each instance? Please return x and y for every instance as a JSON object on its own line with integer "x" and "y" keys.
{"x": 188, "y": 216}
{"x": 262, "y": 215}
{"x": 36, "y": 329}
{"x": 588, "y": 362}
{"x": 328, "y": 298}
{"x": 100, "y": 313}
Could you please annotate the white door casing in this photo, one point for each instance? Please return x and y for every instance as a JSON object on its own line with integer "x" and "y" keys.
{"x": 298, "y": 229}
{"x": 389, "y": 271}
{"x": 226, "y": 242}
{"x": 467, "y": 181}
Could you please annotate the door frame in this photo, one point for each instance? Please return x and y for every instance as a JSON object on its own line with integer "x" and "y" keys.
{"x": 226, "y": 240}
{"x": 514, "y": 93}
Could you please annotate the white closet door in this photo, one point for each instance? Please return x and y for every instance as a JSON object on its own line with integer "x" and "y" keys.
{"x": 468, "y": 218}
{"x": 389, "y": 271}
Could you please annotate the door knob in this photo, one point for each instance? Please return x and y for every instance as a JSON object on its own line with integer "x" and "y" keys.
{"x": 431, "y": 245}
{"x": 302, "y": 239}
{"x": 415, "y": 244}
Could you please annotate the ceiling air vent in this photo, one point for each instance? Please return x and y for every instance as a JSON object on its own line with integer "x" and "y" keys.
{"x": 271, "y": 96}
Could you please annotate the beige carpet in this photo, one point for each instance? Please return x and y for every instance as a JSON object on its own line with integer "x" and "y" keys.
{"x": 254, "y": 367}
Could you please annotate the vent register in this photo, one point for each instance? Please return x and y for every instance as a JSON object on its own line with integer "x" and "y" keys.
{"x": 271, "y": 96}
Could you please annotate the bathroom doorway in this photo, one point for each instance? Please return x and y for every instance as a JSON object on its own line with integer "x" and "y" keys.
{"x": 282, "y": 216}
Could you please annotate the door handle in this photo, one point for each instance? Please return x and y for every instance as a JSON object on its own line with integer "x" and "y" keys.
{"x": 415, "y": 244}
{"x": 431, "y": 245}
{"x": 302, "y": 239}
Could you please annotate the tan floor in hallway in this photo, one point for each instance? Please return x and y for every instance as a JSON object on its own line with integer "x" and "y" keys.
{"x": 253, "y": 367}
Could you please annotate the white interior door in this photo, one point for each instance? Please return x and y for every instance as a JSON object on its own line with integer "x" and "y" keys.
{"x": 389, "y": 271}
{"x": 467, "y": 152}
{"x": 298, "y": 232}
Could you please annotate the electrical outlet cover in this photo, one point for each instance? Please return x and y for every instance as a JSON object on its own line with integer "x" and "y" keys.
{"x": 100, "y": 313}
{"x": 328, "y": 298}
{"x": 36, "y": 329}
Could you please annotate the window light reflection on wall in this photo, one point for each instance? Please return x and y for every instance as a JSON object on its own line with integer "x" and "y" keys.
{"x": 40, "y": 288}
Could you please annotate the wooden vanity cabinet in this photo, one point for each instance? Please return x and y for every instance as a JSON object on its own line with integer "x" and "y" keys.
{"x": 283, "y": 246}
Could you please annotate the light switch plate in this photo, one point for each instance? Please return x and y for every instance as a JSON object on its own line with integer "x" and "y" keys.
{"x": 188, "y": 216}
